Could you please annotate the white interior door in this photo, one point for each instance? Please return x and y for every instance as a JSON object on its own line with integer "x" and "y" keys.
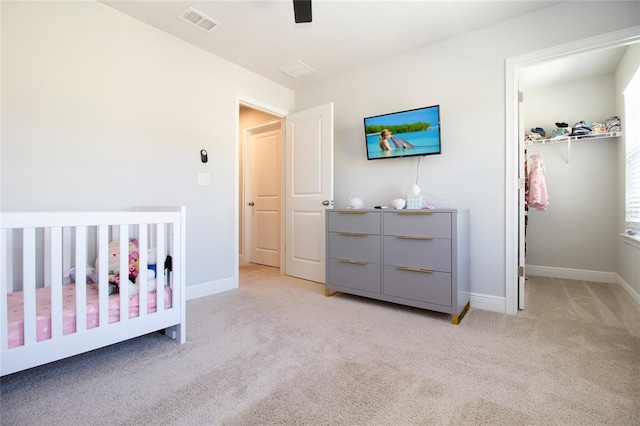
{"x": 521, "y": 203}
{"x": 309, "y": 190}
{"x": 262, "y": 194}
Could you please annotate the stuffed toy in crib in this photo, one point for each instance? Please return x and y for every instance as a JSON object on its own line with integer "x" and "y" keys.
{"x": 134, "y": 261}
{"x": 69, "y": 275}
{"x": 152, "y": 257}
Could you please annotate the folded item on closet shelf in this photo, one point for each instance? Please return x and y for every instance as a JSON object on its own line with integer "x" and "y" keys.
{"x": 580, "y": 132}
{"x": 561, "y": 124}
{"x": 534, "y": 136}
{"x": 581, "y": 128}
{"x": 613, "y": 124}
{"x": 598, "y": 128}
{"x": 560, "y": 133}
{"x": 539, "y": 130}
{"x": 583, "y": 125}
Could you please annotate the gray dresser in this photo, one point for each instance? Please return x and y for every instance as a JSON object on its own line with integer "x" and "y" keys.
{"x": 417, "y": 258}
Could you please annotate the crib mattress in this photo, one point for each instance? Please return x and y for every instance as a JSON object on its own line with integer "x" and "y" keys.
{"x": 15, "y": 311}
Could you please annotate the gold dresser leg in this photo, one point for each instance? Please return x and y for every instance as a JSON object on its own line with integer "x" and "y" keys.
{"x": 328, "y": 292}
{"x": 455, "y": 318}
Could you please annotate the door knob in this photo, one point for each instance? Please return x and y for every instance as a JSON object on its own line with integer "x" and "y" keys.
{"x": 326, "y": 202}
{"x": 251, "y": 203}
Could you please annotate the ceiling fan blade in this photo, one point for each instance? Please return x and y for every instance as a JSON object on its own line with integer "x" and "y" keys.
{"x": 302, "y": 11}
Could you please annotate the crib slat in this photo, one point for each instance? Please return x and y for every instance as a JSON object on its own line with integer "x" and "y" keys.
{"x": 54, "y": 251}
{"x": 142, "y": 268}
{"x": 124, "y": 272}
{"x": 66, "y": 247}
{"x": 160, "y": 279}
{"x": 81, "y": 284}
{"x": 29, "y": 284}
{"x": 103, "y": 274}
{"x": 47, "y": 256}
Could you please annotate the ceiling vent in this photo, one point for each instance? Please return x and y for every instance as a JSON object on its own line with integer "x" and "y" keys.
{"x": 199, "y": 20}
{"x": 296, "y": 69}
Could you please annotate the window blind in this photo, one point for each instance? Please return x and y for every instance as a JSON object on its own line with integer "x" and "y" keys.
{"x": 632, "y": 143}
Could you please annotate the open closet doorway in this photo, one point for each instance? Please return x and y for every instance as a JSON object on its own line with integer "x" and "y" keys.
{"x": 516, "y": 68}
{"x": 260, "y": 177}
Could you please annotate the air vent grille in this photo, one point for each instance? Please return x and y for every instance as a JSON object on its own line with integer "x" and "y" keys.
{"x": 296, "y": 69}
{"x": 199, "y": 20}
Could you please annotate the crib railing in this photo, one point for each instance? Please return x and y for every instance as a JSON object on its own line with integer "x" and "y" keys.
{"x": 35, "y": 247}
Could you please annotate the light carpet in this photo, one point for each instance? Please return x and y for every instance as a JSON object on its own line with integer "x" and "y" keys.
{"x": 276, "y": 351}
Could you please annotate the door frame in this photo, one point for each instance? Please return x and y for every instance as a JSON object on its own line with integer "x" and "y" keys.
{"x": 513, "y": 151}
{"x": 248, "y": 224}
{"x": 270, "y": 109}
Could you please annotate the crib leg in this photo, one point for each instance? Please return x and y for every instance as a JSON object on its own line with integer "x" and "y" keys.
{"x": 176, "y": 332}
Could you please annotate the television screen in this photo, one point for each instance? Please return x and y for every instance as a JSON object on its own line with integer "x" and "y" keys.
{"x": 403, "y": 133}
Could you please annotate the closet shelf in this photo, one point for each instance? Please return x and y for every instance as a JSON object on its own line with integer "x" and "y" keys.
{"x": 569, "y": 139}
{"x": 566, "y": 139}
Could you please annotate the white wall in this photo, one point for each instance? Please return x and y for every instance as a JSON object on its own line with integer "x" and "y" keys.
{"x": 579, "y": 228}
{"x": 466, "y": 76}
{"x": 101, "y": 111}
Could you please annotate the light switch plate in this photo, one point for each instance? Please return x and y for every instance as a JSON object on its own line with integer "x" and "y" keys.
{"x": 204, "y": 179}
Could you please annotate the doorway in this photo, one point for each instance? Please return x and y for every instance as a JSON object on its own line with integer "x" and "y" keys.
{"x": 306, "y": 172}
{"x": 260, "y": 198}
{"x": 514, "y": 149}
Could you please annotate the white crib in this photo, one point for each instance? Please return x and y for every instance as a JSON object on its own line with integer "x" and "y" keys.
{"x": 45, "y": 319}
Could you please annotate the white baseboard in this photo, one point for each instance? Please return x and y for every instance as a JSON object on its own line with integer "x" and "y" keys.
{"x": 478, "y": 300}
{"x": 585, "y": 275}
{"x": 571, "y": 274}
{"x": 207, "y": 289}
{"x": 488, "y": 302}
{"x": 633, "y": 295}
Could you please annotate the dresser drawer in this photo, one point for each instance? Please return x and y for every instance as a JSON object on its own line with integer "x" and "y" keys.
{"x": 418, "y": 253}
{"x": 353, "y": 246}
{"x": 426, "y": 287}
{"x": 355, "y": 221}
{"x": 418, "y": 223}
{"x": 359, "y": 276}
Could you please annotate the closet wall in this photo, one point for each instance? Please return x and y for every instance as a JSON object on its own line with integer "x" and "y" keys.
{"x": 579, "y": 228}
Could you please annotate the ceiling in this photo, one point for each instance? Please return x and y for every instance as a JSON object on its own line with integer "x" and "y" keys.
{"x": 261, "y": 35}
{"x": 573, "y": 67}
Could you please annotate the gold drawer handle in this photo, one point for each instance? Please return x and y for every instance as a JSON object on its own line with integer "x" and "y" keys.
{"x": 352, "y": 234}
{"x": 413, "y": 212}
{"x": 406, "y": 268}
{"x": 406, "y": 237}
{"x": 354, "y": 262}
{"x": 352, "y": 212}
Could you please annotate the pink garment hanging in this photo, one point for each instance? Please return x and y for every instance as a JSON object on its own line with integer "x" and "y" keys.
{"x": 537, "y": 197}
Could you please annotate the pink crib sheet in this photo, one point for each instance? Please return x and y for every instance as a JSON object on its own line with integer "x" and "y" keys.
{"x": 15, "y": 311}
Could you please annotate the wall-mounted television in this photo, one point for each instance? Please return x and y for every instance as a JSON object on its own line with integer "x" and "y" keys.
{"x": 403, "y": 133}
